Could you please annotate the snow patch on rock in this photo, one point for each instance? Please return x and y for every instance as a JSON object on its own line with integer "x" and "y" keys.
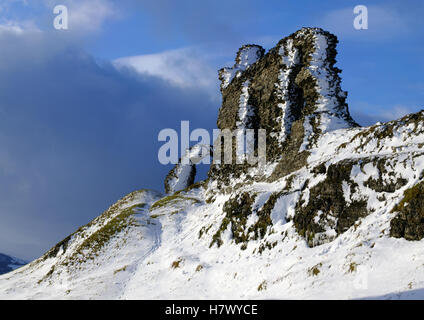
{"x": 246, "y": 56}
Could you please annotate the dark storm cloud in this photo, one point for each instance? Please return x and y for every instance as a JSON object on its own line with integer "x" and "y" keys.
{"x": 75, "y": 135}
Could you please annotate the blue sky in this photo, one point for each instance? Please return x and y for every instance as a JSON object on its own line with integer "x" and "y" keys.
{"x": 80, "y": 109}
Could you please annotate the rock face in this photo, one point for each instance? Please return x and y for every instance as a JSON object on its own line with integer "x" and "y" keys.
{"x": 293, "y": 92}
{"x": 328, "y": 208}
{"x": 409, "y": 223}
{"x": 332, "y": 200}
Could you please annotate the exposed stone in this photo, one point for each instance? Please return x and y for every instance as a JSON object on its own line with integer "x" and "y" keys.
{"x": 294, "y": 94}
{"x": 409, "y": 222}
{"x": 327, "y": 214}
{"x": 237, "y": 211}
{"x": 389, "y": 184}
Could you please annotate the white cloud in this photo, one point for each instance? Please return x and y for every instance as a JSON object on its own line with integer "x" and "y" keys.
{"x": 17, "y": 27}
{"x": 90, "y": 15}
{"x": 181, "y": 67}
{"x": 10, "y": 28}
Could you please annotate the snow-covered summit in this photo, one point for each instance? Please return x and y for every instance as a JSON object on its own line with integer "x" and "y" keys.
{"x": 337, "y": 212}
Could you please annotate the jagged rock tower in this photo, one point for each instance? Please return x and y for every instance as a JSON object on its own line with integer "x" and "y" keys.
{"x": 293, "y": 92}
{"x": 313, "y": 146}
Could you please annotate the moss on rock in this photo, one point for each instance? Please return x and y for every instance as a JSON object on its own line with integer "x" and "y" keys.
{"x": 172, "y": 199}
{"x": 237, "y": 211}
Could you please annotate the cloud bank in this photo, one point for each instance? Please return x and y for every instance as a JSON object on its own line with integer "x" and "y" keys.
{"x": 76, "y": 134}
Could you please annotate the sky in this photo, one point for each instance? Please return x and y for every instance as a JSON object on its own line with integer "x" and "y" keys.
{"x": 81, "y": 109}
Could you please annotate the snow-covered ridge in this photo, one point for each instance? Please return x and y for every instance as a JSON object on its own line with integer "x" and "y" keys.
{"x": 342, "y": 218}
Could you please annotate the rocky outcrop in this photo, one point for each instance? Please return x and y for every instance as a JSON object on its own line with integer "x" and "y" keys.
{"x": 327, "y": 212}
{"x": 409, "y": 223}
{"x": 293, "y": 92}
{"x": 183, "y": 174}
{"x": 180, "y": 177}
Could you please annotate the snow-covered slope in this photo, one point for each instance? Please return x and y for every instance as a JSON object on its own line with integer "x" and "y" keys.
{"x": 8, "y": 263}
{"x": 337, "y": 212}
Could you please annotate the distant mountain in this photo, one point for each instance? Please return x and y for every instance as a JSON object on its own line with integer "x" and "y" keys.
{"x": 335, "y": 211}
{"x": 8, "y": 263}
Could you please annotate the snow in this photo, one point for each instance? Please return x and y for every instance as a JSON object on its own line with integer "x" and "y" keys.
{"x": 290, "y": 60}
{"x": 327, "y": 101}
{"x": 180, "y": 182}
{"x": 328, "y": 114}
{"x": 358, "y": 264}
{"x": 284, "y": 208}
{"x": 164, "y": 251}
{"x": 184, "y": 169}
{"x": 307, "y": 129}
{"x": 245, "y": 110}
{"x": 247, "y": 56}
{"x": 245, "y": 114}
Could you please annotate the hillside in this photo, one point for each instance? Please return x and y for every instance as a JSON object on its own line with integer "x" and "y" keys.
{"x": 336, "y": 212}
